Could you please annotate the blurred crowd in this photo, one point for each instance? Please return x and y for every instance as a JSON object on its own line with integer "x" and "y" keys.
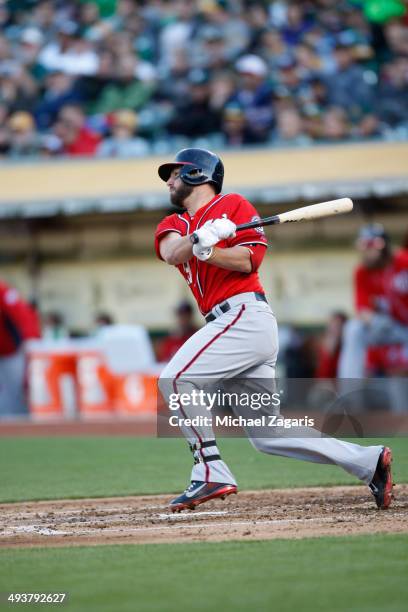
{"x": 124, "y": 78}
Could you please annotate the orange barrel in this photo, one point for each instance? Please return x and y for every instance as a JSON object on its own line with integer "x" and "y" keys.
{"x": 51, "y": 378}
{"x": 96, "y": 384}
{"x": 135, "y": 393}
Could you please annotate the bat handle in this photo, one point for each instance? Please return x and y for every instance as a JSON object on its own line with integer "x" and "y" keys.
{"x": 194, "y": 238}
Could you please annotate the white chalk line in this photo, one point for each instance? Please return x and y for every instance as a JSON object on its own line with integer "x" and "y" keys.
{"x": 126, "y": 530}
{"x": 95, "y": 519}
{"x": 49, "y": 514}
{"x": 252, "y": 523}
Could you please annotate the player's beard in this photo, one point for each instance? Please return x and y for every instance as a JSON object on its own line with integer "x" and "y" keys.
{"x": 179, "y": 194}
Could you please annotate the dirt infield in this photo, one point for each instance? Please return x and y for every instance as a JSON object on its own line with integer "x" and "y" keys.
{"x": 285, "y": 513}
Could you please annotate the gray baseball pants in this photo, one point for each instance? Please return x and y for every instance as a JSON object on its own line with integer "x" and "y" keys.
{"x": 243, "y": 343}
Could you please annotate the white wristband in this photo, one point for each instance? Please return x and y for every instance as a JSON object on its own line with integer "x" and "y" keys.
{"x": 202, "y": 254}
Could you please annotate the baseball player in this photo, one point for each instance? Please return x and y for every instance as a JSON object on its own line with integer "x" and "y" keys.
{"x": 381, "y": 301}
{"x": 240, "y": 338}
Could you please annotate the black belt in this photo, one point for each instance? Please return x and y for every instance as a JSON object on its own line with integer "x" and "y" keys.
{"x": 225, "y": 306}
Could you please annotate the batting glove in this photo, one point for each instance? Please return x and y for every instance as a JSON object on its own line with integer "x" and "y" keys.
{"x": 207, "y": 235}
{"x": 224, "y": 228}
{"x": 202, "y": 254}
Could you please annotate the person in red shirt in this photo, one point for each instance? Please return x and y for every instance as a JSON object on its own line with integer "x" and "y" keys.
{"x": 185, "y": 328}
{"x": 381, "y": 303}
{"x": 240, "y": 338}
{"x": 18, "y": 322}
{"x": 77, "y": 139}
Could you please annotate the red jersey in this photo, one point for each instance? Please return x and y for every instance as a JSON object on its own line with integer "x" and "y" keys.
{"x": 369, "y": 289}
{"x": 397, "y": 286}
{"x": 18, "y": 321}
{"x": 209, "y": 284}
{"x": 384, "y": 289}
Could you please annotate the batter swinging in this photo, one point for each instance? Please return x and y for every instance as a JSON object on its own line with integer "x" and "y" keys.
{"x": 240, "y": 338}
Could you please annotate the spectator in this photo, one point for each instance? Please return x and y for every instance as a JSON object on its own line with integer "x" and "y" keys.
{"x": 335, "y": 124}
{"x": 69, "y": 53}
{"x": 89, "y": 20}
{"x": 254, "y": 96}
{"x": 234, "y": 127}
{"x": 367, "y": 127}
{"x": 31, "y": 41}
{"x": 319, "y": 96}
{"x": 18, "y": 323}
{"x": 271, "y": 48}
{"x": 44, "y": 17}
{"x": 392, "y": 101}
{"x": 257, "y": 19}
{"x": 123, "y": 142}
{"x": 289, "y": 128}
{"x": 60, "y": 90}
{"x": 194, "y": 117}
{"x": 126, "y": 91}
{"x": 176, "y": 33}
{"x": 174, "y": 86}
{"x": 348, "y": 87}
{"x": 18, "y": 90}
{"x": 312, "y": 123}
{"x": 297, "y": 23}
{"x": 307, "y": 59}
{"x": 396, "y": 38}
{"x": 88, "y": 89}
{"x": 184, "y": 329}
{"x": 289, "y": 77}
{"x": 222, "y": 87}
{"x": 6, "y": 57}
{"x": 213, "y": 53}
{"x": 76, "y": 137}
{"x": 231, "y": 27}
{"x": 24, "y": 139}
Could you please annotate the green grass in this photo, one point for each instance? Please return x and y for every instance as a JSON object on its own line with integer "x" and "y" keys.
{"x": 362, "y": 574}
{"x": 52, "y": 468}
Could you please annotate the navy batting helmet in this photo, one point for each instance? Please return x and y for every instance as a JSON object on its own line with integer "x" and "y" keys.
{"x": 197, "y": 166}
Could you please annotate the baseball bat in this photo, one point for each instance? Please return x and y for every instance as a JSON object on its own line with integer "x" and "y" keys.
{"x": 306, "y": 213}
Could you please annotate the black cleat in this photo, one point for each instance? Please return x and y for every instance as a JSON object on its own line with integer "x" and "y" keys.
{"x": 381, "y": 484}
